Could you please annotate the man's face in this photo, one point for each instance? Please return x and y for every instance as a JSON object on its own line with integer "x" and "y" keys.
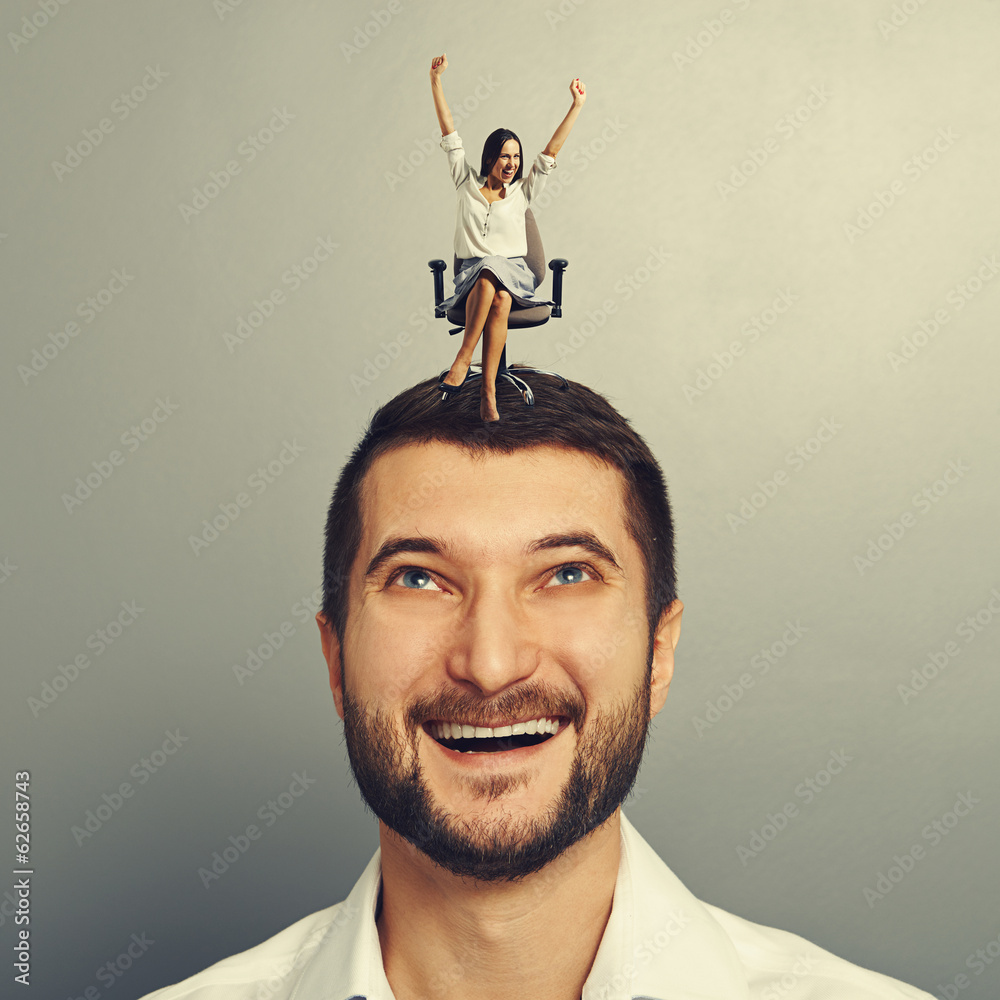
{"x": 491, "y": 592}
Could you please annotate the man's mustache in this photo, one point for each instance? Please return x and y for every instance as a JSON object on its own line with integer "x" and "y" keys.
{"x": 529, "y": 701}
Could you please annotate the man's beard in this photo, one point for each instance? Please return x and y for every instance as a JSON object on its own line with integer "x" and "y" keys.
{"x": 604, "y": 768}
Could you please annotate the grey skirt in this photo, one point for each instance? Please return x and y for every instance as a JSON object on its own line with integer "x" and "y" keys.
{"x": 511, "y": 272}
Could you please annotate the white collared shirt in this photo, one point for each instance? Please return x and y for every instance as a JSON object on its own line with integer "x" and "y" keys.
{"x": 486, "y": 229}
{"x": 660, "y": 943}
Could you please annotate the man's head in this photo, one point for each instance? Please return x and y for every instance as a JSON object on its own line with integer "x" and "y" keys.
{"x": 491, "y": 578}
{"x": 576, "y": 418}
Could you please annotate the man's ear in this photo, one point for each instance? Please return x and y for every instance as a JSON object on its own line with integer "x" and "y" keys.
{"x": 668, "y": 632}
{"x": 331, "y": 652}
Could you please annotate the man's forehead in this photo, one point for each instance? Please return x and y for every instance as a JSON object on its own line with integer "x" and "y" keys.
{"x": 445, "y": 489}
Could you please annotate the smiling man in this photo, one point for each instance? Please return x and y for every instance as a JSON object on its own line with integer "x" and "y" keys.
{"x": 499, "y": 623}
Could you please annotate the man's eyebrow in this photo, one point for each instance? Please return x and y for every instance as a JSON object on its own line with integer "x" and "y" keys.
{"x": 577, "y": 539}
{"x": 393, "y": 546}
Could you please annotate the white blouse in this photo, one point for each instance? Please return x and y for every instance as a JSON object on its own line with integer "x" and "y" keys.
{"x": 485, "y": 229}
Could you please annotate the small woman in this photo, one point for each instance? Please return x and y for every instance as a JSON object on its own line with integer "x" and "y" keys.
{"x": 490, "y": 239}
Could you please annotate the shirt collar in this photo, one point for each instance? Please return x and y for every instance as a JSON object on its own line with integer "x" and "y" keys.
{"x": 348, "y": 964}
{"x": 660, "y": 942}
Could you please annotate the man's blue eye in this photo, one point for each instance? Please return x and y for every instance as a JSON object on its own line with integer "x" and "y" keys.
{"x": 415, "y": 579}
{"x": 569, "y": 574}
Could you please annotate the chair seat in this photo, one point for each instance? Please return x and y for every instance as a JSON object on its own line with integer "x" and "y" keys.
{"x": 531, "y": 316}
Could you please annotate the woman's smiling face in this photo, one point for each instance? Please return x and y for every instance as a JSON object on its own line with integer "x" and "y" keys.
{"x": 507, "y": 163}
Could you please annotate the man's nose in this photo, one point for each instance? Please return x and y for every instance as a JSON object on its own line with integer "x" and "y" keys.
{"x": 492, "y": 646}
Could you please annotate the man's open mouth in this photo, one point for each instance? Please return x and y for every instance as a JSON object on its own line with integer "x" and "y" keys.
{"x": 466, "y": 738}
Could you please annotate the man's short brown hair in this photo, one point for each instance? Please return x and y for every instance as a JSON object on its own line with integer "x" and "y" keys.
{"x": 575, "y": 417}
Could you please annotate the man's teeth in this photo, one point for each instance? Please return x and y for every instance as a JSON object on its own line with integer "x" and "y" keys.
{"x": 457, "y": 730}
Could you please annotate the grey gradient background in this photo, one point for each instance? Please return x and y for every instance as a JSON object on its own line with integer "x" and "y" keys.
{"x": 641, "y": 171}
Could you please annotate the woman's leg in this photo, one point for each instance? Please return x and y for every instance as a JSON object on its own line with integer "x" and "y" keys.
{"x": 477, "y": 306}
{"x": 494, "y": 339}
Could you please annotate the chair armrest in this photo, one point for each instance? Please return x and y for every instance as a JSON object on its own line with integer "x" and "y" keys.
{"x": 558, "y": 265}
{"x": 438, "y": 267}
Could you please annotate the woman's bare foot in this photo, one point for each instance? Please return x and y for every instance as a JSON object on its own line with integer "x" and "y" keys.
{"x": 457, "y": 373}
{"x": 488, "y": 409}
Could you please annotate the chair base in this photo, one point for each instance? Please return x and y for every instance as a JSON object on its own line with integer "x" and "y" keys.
{"x": 503, "y": 372}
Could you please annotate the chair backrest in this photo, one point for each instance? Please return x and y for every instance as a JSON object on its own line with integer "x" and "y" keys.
{"x": 535, "y": 257}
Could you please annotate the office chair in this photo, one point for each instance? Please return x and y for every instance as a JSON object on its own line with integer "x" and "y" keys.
{"x": 520, "y": 318}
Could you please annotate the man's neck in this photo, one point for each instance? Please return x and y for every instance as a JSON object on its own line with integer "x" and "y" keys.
{"x": 445, "y": 936}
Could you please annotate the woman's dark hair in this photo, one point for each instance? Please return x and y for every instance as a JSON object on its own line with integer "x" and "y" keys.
{"x": 493, "y": 147}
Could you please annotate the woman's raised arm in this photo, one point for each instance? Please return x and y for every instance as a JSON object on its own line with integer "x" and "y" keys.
{"x": 438, "y": 65}
{"x": 561, "y": 134}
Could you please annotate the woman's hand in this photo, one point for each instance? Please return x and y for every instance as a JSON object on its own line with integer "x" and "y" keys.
{"x": 438, "y": 65}
{"x": 579, "y": 92}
